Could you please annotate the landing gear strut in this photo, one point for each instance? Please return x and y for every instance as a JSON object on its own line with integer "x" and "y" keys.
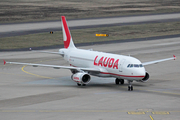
{"x": 130, "y": 87}
{"x": 119, "y": 81}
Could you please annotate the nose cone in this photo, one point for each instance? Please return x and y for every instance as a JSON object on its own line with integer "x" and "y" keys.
{"x": 140, "y": 72}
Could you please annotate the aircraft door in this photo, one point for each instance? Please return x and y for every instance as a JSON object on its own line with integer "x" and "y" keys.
{"x": 121, "y": 65}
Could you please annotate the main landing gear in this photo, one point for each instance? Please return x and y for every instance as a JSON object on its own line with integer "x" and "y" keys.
{"x": 121, "y": 81}
{"x": 78, "y": 84}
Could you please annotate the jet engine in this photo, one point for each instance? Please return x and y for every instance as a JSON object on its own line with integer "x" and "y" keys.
{"x": 80, "y": 77}
{"x": 145, "y": 79}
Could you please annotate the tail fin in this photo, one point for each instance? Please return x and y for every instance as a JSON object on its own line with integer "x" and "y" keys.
{"x": 68, "y": 42}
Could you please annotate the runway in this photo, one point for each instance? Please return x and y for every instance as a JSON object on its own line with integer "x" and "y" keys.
{"x": 16, "y": 29}
{"x": 44, "y": 93}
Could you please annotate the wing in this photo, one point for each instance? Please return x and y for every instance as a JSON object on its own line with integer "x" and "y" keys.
{"x": 55, "y": 66}
{"x": 46, "y": 52}
{"x": 157, "y": 61}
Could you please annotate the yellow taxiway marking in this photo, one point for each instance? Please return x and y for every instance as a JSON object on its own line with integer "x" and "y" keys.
{"x": 151, "y": 117}
{"x": 136, "y": 113}
{"x": 161, "y": 113}
{"x": 88, "y": 111}
{"x": 34, "y": 74}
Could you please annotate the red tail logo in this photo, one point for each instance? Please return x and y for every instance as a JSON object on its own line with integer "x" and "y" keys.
{"x": 67, "y": 36}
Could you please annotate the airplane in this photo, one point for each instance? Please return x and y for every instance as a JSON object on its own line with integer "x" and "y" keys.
{"x": 84, "y": 63}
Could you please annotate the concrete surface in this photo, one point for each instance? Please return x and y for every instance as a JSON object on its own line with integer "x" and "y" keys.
{"x": 49, "y": 94}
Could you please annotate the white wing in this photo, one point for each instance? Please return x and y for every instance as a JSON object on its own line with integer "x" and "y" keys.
{"x": 55, "y": 66}
{"x": 47, "y": 52}
{"x": 157, "y": 61}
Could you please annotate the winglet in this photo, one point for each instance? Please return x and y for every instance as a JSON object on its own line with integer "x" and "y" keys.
{"x": 4, "y": 62}
{"x": 174, "y": 57}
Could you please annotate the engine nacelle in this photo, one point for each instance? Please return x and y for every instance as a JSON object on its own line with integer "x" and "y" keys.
{"x": 145, "y": 79}
{"x": 82, "y": 78}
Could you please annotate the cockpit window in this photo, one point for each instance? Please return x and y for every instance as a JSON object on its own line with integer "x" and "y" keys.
{"x": 141, "y": 65}
{"x": 131, "y": 65}
{"x": 135, "y": 65}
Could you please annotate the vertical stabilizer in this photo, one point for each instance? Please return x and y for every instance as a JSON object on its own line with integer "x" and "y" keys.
{"x": 68, "y": 42}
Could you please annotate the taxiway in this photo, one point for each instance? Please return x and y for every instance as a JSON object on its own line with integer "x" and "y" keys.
{"x": 44, "y": 93}
{"x": 15, "y": 29}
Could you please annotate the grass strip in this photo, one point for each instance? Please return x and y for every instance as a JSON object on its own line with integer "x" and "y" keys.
{"x": 42, "y": 10}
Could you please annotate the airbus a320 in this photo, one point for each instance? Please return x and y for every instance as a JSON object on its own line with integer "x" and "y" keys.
{"x": 84, "y": 63}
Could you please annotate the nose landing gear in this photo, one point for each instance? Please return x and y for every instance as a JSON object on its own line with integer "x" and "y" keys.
{"x": 130, "y": 87}
{"x": 121, "y": 81}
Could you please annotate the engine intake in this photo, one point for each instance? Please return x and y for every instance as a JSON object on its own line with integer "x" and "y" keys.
{"x": 145, "y": 79}
{"x": 82, "y": 78}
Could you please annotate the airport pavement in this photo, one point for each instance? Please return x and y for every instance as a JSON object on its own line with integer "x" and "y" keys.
{"x": 44, "y": 93}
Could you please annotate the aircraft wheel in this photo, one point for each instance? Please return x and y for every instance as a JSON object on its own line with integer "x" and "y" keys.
{"x": 78, "y": 84}
{"x": 117, "y": 81}
{"x": 83, "y": 84}
{"x": 122, "y": 81}
{"x": 130, "y": 88}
